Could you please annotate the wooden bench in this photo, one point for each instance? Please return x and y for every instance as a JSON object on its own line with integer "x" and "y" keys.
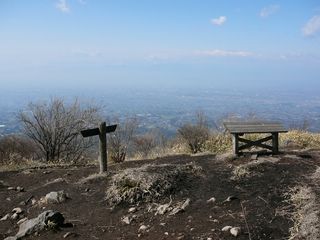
{"x": 238, "y": 129}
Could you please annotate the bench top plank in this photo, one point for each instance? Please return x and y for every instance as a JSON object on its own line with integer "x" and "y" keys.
{"x": 254, "y": 127}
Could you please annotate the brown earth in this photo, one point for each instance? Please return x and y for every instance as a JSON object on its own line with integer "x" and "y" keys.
{"x": 260, "y": 200}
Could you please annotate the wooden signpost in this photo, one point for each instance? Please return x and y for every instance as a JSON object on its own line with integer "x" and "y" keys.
{"x": 102, "y": 132}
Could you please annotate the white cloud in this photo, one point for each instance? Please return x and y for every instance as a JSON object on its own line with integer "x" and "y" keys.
{"x": 82, "y": 2}
{"x": 267, "y": 11}
{"x": 223, "y": 53}
{"x": 219, "y": 21}
{"x": 312, "y": 27}
{"x": 63, "y": 6}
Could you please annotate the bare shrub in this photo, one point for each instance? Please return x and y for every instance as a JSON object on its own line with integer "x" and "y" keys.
{"x": 149, "y": 182}
{"x": 16, "y": 148}
{"x": 150, "y": 144}
{"x": 55, "y": 128}
{"x": 144, "y": 144}
{"x": 120, "y": 141}
{"x": 195, "y": 135}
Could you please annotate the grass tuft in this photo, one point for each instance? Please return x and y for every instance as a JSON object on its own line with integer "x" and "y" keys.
{"x": 149, "y": 182}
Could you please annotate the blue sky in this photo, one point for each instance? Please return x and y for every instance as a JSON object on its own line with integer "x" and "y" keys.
{"x": 166, "y": 42}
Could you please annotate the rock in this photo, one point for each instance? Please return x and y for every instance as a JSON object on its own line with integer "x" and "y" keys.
{"x": 20, "y": 189}
{"x": 70, "y": 234}
{"x": 166, "y": 233}
{"x": 14, "y": 216}
{"x": 226, "y": 228}
{"x": 126, "y": 220}
{"x": 5, "y": 217}
{"x": 235, "y": 231}
{"x": 211, "y": 200}
{"x": 17, "y": 210}
{"x": 143, "y": 228}
{"x": 180, "y": 237}
{"x": 22, "y": 220}
{"x": 47, "y": 219}
{"x": 180, "y": 208}
{"x": 132, "y": 210}
{"x": 11, "y": 188}
{"x": 33, "y": 201}
{"x": 56, "y": 197}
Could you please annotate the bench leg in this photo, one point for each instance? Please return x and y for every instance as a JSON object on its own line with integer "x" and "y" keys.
{"x": 235, "y": 140}
{"x": 275, "y": 143}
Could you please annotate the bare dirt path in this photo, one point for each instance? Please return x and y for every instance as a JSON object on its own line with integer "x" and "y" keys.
{"x": 259, "y": 205}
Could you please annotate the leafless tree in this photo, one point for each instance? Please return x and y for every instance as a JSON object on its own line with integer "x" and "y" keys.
{"x": 195, "y": 135}
{"x": 120, "y": 141}
{"x": 55, "y": 128}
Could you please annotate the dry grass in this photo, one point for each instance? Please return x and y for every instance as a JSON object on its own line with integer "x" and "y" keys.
{"x": 96, "y": 177}
{"x": 240, "y": 172}
{"x": 302, "y": 139}
{"x": 252, "y": 168}
{"x": 306, "y": 220}
{"x": 149, "y": 182}
{"x": 219, "y": 143}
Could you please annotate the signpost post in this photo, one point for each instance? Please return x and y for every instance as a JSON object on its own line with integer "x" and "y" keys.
{"x": 102, "y": 132}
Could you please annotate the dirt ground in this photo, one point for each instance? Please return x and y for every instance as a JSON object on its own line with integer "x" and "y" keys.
{"x": 260, "y": 207}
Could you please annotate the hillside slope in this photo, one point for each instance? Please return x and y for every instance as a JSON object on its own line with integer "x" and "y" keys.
{"x": 255, "y": 195}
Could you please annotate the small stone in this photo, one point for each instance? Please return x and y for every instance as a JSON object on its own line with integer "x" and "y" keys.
{"x": 162, "y": 224}
{"x": 126, "y": 220}
{"x": 33, "y": 201}
{"x": 191, "y": 229}
{"x": 180, "y": 237}
{"x": 209, "y": 238}
{"x": 56, "y": 197}
{"x": 17, "y": 210}
{"x": 5, "y": 217}
{"x": 235, "y": 231}
{"x": 254, "y": 156}
{"x": 11, "y": 188}
{"x": 20, "y": 189}
{"x": 166, "y": 233}
{"x": 132, "y": 210}
{"x": 8, "y": 199}
{"x": 211, "y": 200}
{"x": 22, "y": 220}
{"x": 14, "y": 216}
{"x": 87, "y": 190}
{"x": 226, "y": 228}
{"x": 143, "y": 228}
{"x": 215, "y": 220}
